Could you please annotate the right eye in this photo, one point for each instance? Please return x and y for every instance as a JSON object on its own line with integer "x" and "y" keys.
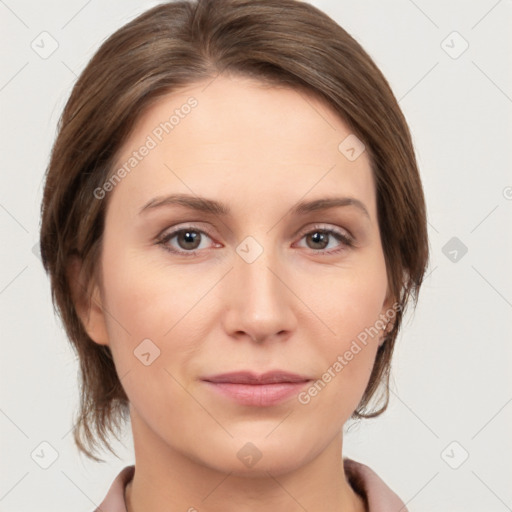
{"x": 187, "y": 240}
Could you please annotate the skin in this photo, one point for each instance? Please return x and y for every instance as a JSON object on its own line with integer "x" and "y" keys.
{"x": 260, "y": 150}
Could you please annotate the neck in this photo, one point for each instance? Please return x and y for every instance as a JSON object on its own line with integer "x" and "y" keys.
{"x": 167, "y": 480}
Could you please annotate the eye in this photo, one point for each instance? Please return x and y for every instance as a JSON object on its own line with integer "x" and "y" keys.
{"x": 188, "y": 240}
{"x": 320, "y": 237}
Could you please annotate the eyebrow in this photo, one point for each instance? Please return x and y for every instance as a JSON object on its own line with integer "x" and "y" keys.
{"x": 205, "y": 205}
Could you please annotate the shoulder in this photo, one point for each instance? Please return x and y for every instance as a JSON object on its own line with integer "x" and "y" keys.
{"x": 114, "y": 500}
{"x": 378, "y": 496}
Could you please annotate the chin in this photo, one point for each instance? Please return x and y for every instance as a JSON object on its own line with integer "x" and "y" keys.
{"x": 257, "y": 456}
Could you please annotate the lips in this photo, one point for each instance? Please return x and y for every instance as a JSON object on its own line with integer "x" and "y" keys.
{"x": 257, "y": 390}
{"x": 247, "y": 377}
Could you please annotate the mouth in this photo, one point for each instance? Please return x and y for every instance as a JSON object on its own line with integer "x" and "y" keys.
{"x": 257, "y": 390}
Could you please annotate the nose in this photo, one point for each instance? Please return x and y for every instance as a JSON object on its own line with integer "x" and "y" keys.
{"x": 260, "y": 302}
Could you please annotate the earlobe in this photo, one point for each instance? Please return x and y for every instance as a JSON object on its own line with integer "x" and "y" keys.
{"x": 87, "y": 300}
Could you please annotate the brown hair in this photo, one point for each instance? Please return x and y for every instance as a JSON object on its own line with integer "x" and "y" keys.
{"x": 278, "y": 42}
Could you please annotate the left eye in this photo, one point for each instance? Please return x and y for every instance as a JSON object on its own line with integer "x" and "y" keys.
{"x": 189, "y": 240}
{"x": 323, "y": 236}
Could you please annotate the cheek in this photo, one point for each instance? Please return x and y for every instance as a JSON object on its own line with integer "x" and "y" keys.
{"x": 352, "y": 301}
{"x": 152, "y": 332}
{"x": 351, "y": 308}
{"x": 148, "y": 309}
{"x": 147, "y": 299}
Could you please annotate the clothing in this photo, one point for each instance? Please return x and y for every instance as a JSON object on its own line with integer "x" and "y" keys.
{"x": 378, "y": 496}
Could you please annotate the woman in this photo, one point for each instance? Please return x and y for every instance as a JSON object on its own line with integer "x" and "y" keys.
{"x": 233, "y": 223}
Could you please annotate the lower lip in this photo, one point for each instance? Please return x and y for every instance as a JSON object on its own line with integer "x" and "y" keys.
{"x": 258, "y": 395}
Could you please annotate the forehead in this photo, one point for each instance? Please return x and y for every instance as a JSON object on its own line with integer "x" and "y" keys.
{"x": 237, "y": 137}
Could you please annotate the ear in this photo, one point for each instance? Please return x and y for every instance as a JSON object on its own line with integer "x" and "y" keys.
{"x": 389, "y": 312}
{"x": 87, "y": 300}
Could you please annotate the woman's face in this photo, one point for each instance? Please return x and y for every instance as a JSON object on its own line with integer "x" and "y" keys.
{"x": 261, "y": 287}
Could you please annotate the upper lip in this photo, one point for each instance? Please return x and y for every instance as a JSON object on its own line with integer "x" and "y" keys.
{"x": 248, "y": 377}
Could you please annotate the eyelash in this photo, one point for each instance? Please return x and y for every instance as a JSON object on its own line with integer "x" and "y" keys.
{"x": 346, "y": 240}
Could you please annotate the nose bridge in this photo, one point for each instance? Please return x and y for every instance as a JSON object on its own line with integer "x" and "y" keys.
{"x": 260, "y": 301}
{"x": 253, "y": 269}
{"x": 258, "y": 277}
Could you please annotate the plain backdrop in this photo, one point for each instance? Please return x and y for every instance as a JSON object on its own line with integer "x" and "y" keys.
{"x": 444, "y": 444}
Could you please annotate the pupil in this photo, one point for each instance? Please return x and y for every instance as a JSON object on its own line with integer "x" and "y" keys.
{"x": 190, "y": 237}
{"x": 319, "y": 237}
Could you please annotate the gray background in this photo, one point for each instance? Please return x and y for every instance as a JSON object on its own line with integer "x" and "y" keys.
{"x": 451, "y": 382}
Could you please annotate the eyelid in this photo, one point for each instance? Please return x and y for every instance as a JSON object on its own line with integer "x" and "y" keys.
{"x": 192, "y": 225}
{"x": 327, "y": 227}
